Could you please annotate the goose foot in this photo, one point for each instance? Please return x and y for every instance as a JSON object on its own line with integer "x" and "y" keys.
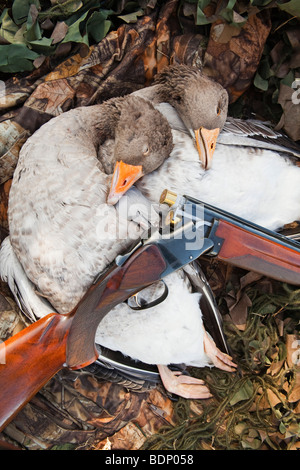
{"x": 191, "y": 387}
{"x": 218, "y": 358}
{"x": 183, "y": 385}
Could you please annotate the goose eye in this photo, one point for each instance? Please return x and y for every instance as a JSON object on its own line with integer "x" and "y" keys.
{"x": 146, "y": 151}
{"x": 218, "y": 110}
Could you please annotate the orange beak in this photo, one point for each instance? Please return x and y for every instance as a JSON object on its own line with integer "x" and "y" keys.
{"x": 206, "y": 141}
{"x": 123, "y": 178}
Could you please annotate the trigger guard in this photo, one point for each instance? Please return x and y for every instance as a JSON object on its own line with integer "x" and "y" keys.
{"x": 155, "y": 302}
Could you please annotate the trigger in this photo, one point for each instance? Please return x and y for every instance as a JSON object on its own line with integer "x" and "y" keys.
{"x": 135, "y": 303}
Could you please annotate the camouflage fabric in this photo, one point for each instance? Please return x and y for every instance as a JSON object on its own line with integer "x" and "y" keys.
{"x": 125, "y": 60}
{"x": 75, "y": 410}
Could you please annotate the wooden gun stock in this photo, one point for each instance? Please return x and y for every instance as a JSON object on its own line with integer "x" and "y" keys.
{"x": 30, "y": 358}
{"x": 250, "y": 251}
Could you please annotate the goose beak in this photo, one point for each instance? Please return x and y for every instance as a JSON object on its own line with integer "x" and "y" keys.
{"x": 123, "y": 178}
{"x": 206, "y": 143}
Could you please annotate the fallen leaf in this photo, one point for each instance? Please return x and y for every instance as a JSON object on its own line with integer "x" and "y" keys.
{"x": 234, "y": 63}
{"x": 59, "y": 32}
{"x": 131, "y": 17}
{"x": 16, "y": 58}
{"x": 55, "y": 93}
{"x": 244, "y": 393}
{"x": 292, "y": 7}
{"x": 8, "y": 28}
{"x": 295, "y": 446}
{"x": 291, "y": 112}
{"x": 223, "y": 32}
{"x": 238, "y": 305}
{"x": 275, "y": 367}
{"x": 21, "y": 8}
{"x": 293, "y": 350}
{"x": 130, "y": 437}
{"x": 272, "y": 398}
{"x": 4, "y": 193}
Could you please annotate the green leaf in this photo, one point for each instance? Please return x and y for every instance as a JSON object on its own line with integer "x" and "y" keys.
{"x": 33, "y": 32}
{"x": 261, "y": 3}
{"x": 282, "y": 428}
{"x": 253, "y": 444}
{"x": 244, "y": 393}
{"x": 20, "y": 9}
{"x": 282, "y": 351}
{"x": 8, "y": 27}
{"x": 260, "y": 82}
{"x": 292, "y": 7}
{"x": 255, "y": 344}
{"x": 20, "y": 35}
{"x": 265, "y": 70}
{"x": 227, "y": 12}
{"x": 16, "y": 58}
{"x": 131, "y": 17}
{"x": 42, "y": 46}
{"x": 74, "y": 33}
{"x": 201, "y": 17}
{"x": 98, "y": 25}
{"x": 64, "y": 447}
{"x": 70, "y": 7}
{"x": 289, "y": 78}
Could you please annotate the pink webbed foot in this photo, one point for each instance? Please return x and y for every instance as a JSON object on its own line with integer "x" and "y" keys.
{"x": 183, "y": 385}
{"x": 218, "y": 358}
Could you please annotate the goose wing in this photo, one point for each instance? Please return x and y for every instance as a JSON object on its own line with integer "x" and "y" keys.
{"x": 258, "y": 134}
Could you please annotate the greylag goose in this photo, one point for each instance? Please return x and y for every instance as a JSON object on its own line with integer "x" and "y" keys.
{"x": 59, "y": 217}
{"x": 251, "y": 171}
{"x": 191, "y": 102}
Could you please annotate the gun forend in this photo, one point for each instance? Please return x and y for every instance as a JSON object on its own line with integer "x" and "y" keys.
{"x": 253, "y": 252}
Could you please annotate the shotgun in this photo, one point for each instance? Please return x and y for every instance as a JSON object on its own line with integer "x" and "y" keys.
{"x": 189, "y": 229}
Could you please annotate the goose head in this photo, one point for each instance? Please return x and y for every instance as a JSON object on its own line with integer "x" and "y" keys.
{"x": 142, "y": 141}
{"x": 201, "y": 103}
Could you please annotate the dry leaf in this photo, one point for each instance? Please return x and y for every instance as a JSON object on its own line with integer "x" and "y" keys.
{"x": 59, "y": 32}
{"x": 4, "y": 193}
{"x": 290, "y": 118}
{"x": 223, "y": 32}
{"x": 293, "y": 350}
{"x": 295, "y": 446}
{"x": 232, "y": 59}
{"x": 56, "y": 93}
{"x": 275, "y": 367}
{"x": 130, "y": 437}
{"x": 238, "y": 305}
